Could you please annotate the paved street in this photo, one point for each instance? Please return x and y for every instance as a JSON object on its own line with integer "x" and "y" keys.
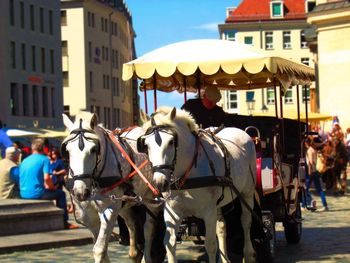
{"x": 326, "y": 238}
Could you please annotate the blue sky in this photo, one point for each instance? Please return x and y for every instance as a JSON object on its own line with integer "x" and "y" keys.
{"x": 161, "y": 22}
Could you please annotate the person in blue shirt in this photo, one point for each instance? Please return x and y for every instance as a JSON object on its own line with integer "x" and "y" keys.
{"x": 5, "y": 141}
{"x": 35, "y": 181}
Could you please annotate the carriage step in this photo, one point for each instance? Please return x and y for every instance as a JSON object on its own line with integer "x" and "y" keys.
{"x": 19, "y": 216}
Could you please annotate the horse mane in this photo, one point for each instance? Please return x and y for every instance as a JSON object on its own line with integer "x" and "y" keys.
{"x": 182, "y": 116}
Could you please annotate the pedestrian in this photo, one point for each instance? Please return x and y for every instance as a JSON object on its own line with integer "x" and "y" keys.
{"x": 312, "y": 146}
{"x": 5, "y": 141}
{"x": 35, "y": 180}
{"x": 8, "y": 182}
{"x": 57, "y": 168}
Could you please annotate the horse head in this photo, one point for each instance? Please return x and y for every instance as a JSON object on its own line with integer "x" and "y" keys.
{"x": 82, "y": 147}
{"x": 160, "y": 141}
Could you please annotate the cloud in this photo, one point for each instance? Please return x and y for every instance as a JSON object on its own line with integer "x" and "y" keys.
{"x": 209, "y": 26}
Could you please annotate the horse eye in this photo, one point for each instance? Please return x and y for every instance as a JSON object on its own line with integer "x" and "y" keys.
{"x": 171, "y": 142}
{"x": 94, "y": 150}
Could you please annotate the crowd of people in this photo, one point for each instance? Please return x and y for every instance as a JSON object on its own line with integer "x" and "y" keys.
{"x": 40, "y": 175}
{"x": 327, "y": 157}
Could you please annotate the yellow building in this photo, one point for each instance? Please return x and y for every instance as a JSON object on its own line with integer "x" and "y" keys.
{"x": 278, "y": 27}
{"x": 97, "y": 38}
{"x": 332, "y": 52}
{"x": 31, "y": 93}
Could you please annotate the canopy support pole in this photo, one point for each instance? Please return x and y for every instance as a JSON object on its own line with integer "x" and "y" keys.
{"x": 155, "y": 92}
{"x": 306, "y": 109}
{"x": 299, "y": 123}
{"x": 145, "y": 99}
{"x": 281, "y": 114}
{"x": 275, "y": 93}
{"x": 185, "y": 89}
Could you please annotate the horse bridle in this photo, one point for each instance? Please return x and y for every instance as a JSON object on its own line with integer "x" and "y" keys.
{"x": 155, "y": 129}
{"x": 79, "y": 134}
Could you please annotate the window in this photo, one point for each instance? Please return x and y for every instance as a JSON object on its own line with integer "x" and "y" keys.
{"x": 52, "y": 61}
{"x": 50, "y": 22}
{"x": 53, "y": 102}
{"x": 23, "y": 55}
{"x": 43, "y": 64}
{"x": 63, "y": 18}
{"x": 276, "y": 9}
{"x": 41, "y": 20}
{"x": 91, "y": 82}
{"x": 117, "y": 89}
{"x": 14, "y": 100}
{"x": 305, "y": 61}
{"x": 45, "y": 100}
{"x": 13, "y": 54}
{"x": 64, "y": 44}
{"x": 89, "y": 18}
{"x": 231, "y": 35}
{"x": 307, "y": 93}
{"x": 25, "y": 101}
{"x": 287, "y": 40}
{"x": 303, "y": 43}
{"x": 32, "y": 18}
{"x": 268, "y": 40}
{"x": 232, "y": 100}
{"x": 270, "y": 96}
{"x": 92, "y": 19}
{"x": 65, "y": 77}
{"x": 12, "y": 12}
{"x": 33, "y": 58}
{"x": 107, "y": 55}
{"x": 21, "y": 7}
{"x": 106, "y": 25}
{"x": 102, "y": 25}
{"x": 107, "y": 81}
{"x": 288, "y": 96}
{"x": 116, "y": 59}
{"x": 310, "y": 5}
{"x": 114, "y": 86}
{"x": 248, "y": 40}
{"x": 90, "y": 51}
{"x": 35, "y": 96}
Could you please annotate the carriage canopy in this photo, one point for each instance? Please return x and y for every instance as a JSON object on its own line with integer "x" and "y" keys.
{"x": 183, "y": 66}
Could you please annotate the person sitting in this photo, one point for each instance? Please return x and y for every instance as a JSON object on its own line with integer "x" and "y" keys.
{"x": 8, "y": 184}
{"x": 35, "y": 180}
{"x": 204, "y": 110}
{"x": 5, "y": 141}
{"x": 57, "y": 168}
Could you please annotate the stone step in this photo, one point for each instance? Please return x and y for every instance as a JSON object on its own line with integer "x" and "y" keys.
{"x": 19, "y": 216}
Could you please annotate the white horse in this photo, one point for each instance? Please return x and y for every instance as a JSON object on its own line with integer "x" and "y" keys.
{"x": 184, "y": 158}
{"x": 96, "y": 165}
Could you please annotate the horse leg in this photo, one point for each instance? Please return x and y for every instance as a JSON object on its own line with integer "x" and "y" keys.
{"x": 172, "y": 223}
{"x": 149, "y": 232}
{"x": 129, "y": 218}
{"x": 108, "y": 219}
{"x": 210, "y": 234}
{"x": 221, "y": 234}
{"x": 246, "y": 220}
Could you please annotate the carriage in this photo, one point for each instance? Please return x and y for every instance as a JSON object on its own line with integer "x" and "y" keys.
{"x": 190, "y": 65}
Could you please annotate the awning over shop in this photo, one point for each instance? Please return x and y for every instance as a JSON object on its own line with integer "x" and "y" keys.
{"x": 312, "y": 116}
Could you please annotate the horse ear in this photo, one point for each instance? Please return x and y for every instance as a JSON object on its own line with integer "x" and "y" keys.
{"x": 144, "y": 117}
{"x": 93, "y": 122}
{"x": 67, "y": 122}
{"x": 173, "y": 113}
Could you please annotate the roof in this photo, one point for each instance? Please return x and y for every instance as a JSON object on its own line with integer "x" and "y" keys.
{"x": 259, "y": 10}
{"x": 331, "y": 6}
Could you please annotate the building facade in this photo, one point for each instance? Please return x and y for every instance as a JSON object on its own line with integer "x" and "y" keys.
{"x": 97, "y": 38}
{"x": 331, "y": 46}
{"x": 30, "y": 68}
{"x": 278, "y": 27}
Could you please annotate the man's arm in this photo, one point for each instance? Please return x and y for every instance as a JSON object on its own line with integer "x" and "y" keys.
{"x": 48, "y": 182}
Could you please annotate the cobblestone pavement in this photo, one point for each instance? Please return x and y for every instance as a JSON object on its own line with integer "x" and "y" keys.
{"x": 326, "y": 238}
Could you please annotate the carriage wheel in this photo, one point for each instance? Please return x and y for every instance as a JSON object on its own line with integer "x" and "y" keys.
{"x": 293, "y": 227}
